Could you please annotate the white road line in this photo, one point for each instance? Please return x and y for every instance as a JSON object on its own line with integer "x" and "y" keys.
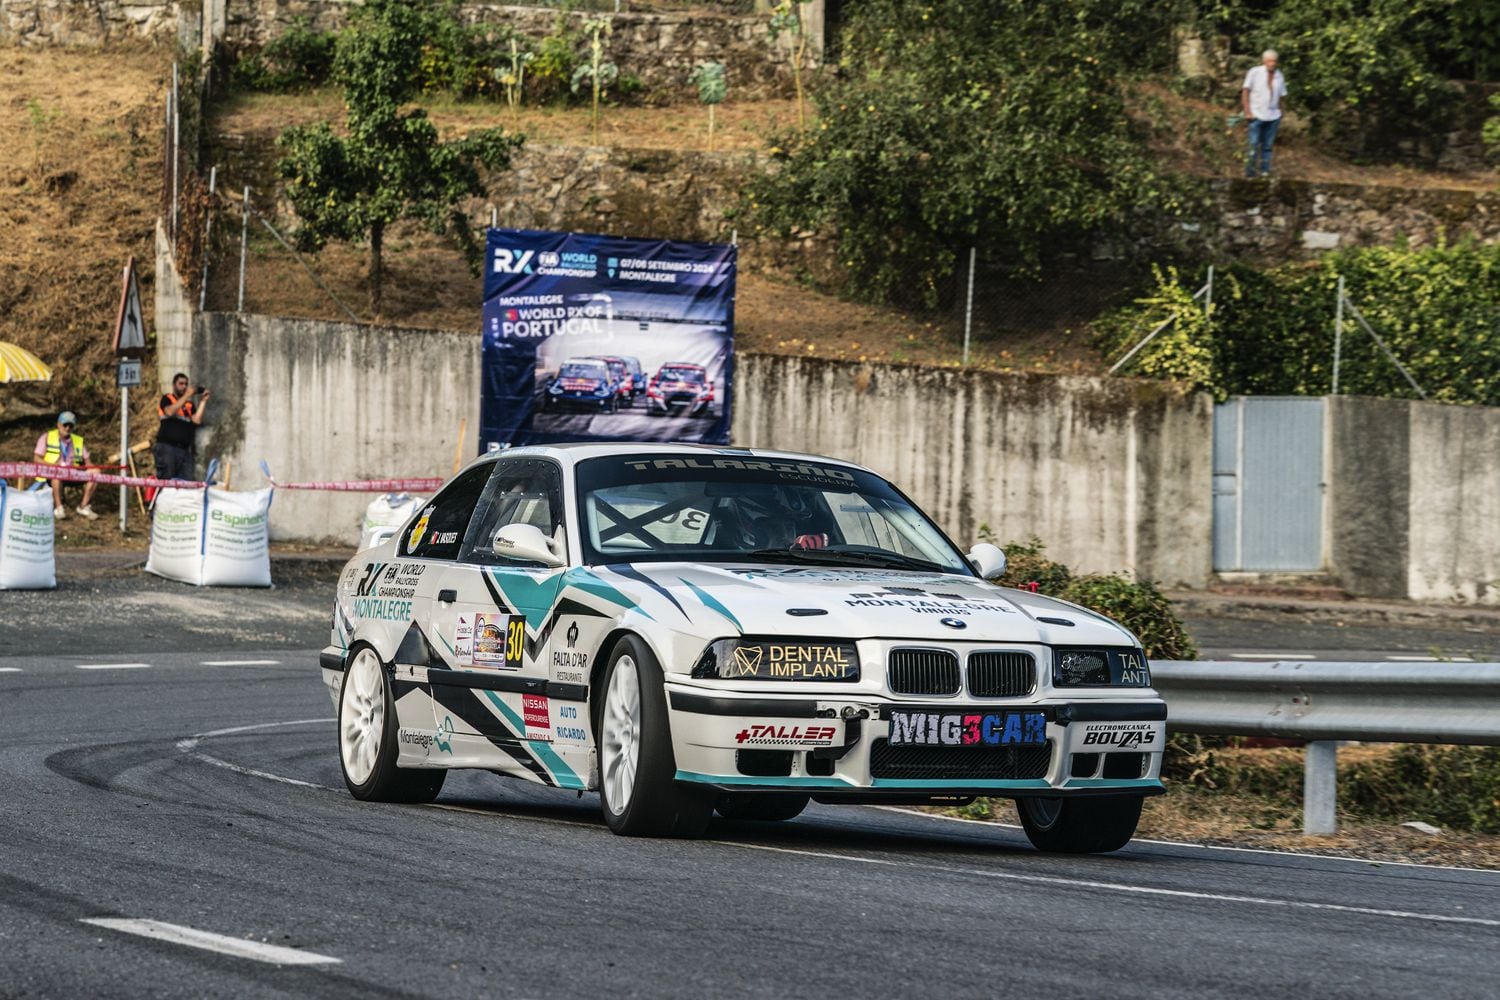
{"x": 1270, "y": 656}
{"x": 1363, "y": 862}
{"x": 1431, "y": 659}
{"x": 10, "y": 670}
{"x": 1144, "y": 890}
{"x": 239, "y": 948}
{"x": 240, "y": 663}
{"x": 112, "y": 666}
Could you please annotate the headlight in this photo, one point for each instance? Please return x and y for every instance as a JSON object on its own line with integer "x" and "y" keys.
{"x": 779, "y": 660}
{"x": 603, "y": 390}
{"x": 1074, "y": 666}
{"x": 556, "y": 390}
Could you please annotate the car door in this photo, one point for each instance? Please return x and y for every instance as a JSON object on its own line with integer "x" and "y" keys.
{"x": 495, "y": 613}
{"x": 425, "y": 551}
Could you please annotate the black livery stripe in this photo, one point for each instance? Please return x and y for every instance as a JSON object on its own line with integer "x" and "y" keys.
{"x": 471, "y": 708}
{"x": 631, "y": 573}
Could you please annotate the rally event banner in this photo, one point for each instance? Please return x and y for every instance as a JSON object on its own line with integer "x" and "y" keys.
{"x": 603, "y": 338}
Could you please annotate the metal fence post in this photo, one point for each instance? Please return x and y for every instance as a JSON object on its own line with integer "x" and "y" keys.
{"x": 1338, "y": 334}
{"x": 969, "y": 308}
{"x": 176, "y": 144}
{"x": 208, "y": 230}
{"x": 1208, "y": 293}
{"x": 244, "y": 247}
{"x": 1320, "y": 788}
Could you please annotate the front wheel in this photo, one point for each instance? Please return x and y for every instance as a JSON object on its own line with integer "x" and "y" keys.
{"x": 638, "y": 788}
{"x": 1080, "y": 825}
{"x": 367, "y": 738}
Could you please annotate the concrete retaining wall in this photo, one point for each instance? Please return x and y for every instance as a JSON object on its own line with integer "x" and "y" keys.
{"x": 1414, "y": 499}
{"x": 332, "y": 401}
{"x": 1112, "y": 474}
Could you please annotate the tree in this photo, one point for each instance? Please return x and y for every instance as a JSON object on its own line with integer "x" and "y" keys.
{"x": 989, "y": 123}
{"x": 600, "y": 72}
{"x": 786, "y": 19}
{"x": 390, "y": 164}
{"x": 708, "y": 77}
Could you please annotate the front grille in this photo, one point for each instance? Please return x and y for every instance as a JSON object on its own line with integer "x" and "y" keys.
{"x": 958, "y": 763}
{"x": 924, "y": 671}
{"x": 1124, "y": 765}
{"x": 1084, "y": 765}
{"x": 1001, "y": 675}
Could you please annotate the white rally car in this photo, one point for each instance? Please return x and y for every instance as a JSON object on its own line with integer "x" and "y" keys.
{"x": 691, "y": 629}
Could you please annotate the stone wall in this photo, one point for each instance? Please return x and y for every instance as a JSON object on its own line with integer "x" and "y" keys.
{"x": 659, "y": 49}
{"x": 1281, "y": 218}
{"x": 87, "y": 22}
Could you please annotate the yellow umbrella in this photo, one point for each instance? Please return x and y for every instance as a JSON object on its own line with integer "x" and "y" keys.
{"x": 19, "y": 365}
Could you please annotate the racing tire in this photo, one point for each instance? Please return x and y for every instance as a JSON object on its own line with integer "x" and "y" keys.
{"x": 772, "y": 808}
{"x": 1092, "y": 825}
{"x": 368, "y": 738}
{"x": 638, "y": 790}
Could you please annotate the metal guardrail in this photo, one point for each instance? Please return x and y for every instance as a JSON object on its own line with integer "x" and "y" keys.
{"x": 1326, "y": 702}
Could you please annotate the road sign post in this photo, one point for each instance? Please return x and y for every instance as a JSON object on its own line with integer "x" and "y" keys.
{"x": 129, "y": 346}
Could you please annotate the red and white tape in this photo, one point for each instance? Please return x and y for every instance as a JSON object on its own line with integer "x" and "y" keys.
{"x": 41, "y": 470}
{"x": 70, "y": 474}
{"x": 367, "y": 486}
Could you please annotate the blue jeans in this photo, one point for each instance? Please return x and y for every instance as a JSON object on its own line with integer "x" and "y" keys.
{"x": 1262, "y": 136}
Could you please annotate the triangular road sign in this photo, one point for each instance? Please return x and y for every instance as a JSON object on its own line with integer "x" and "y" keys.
{"x": 130, "y": 325}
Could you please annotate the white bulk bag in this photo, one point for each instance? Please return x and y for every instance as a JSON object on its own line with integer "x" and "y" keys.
{"x": 389, "y": 510}
{"x": 212, "y": 537}
{"x": 26, "y": 535}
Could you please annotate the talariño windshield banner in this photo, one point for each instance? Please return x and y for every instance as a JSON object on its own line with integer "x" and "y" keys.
{"x": 605, "y": 338}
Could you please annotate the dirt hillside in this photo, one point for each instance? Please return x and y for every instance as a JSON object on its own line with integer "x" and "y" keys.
{"x": 79, "y": 187}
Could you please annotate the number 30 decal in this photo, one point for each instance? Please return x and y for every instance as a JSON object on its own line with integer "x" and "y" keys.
{"x": 515, "y": 641}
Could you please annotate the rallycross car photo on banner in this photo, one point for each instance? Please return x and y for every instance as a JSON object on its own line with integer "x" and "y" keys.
{"x": 605, "y": 338}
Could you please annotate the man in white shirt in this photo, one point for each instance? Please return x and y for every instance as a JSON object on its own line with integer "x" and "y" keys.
{"x": 1261, "y": 97}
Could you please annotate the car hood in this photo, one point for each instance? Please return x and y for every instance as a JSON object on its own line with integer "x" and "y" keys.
{"x": 755, "y": 599}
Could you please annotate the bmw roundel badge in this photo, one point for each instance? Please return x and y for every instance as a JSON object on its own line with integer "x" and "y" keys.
{"x": 953, "y": 622}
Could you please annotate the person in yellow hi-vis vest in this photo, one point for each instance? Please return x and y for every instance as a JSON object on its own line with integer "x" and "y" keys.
{"x": 60, "y": 446}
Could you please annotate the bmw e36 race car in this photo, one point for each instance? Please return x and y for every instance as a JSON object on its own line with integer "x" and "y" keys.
{"x": 690, "y": 629}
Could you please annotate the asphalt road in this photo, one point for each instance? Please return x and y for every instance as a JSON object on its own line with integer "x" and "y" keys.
{"x": 137, "y": 793}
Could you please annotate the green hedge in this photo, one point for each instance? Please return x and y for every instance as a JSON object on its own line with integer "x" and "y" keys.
{"x": 1272, "y": 332}
{"x": 1139, "y": 606}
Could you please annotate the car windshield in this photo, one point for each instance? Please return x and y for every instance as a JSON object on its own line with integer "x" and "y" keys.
{"x": 682, "y": 374}
{"x": 582, "y": 371}
{"x": 717, "y": 508}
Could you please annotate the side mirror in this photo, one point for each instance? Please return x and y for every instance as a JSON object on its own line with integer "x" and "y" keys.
{"x": 380, "y": 536}
{"x": 988, "y": 560}
{"x": 525, "y": 541}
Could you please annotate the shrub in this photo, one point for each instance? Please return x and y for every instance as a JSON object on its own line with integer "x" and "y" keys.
{"x": 1272, "y": 332}
{"x": 299, "y": 59}
{"x": 1139, "y": 606}
{"x": 993, "y": 123}
{"x": 1369, "y": 70}
{"x": 1457, "y": 787}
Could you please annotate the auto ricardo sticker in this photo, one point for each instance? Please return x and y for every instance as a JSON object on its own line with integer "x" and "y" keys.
{"x": 777, "y": 734}
{"x": 492, "y": 640}
{"x": 968, "y": 729}
{"x": 1122, "y": 736}
{"x": 568, "y": 727}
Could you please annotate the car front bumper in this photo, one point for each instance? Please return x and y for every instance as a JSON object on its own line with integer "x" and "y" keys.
{"x": 839, "y": 746}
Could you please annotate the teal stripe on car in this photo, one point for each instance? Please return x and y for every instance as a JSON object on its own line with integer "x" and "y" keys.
{"x": 551, "y": 760}
{"x": 589, "y": 583}
{"x": 710, "y": 601}
{"x": 924, "y": 784}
